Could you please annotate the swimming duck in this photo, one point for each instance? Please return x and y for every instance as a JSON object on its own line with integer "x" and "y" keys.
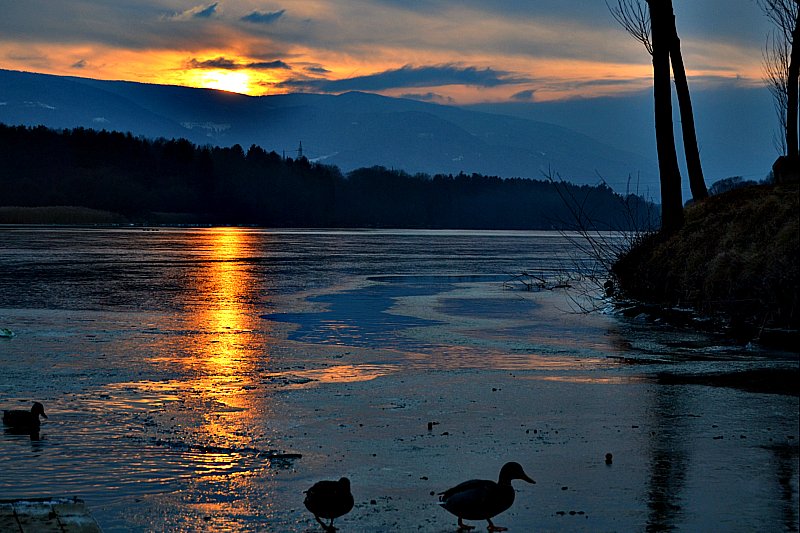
{"x": 329, "y": 499}
{"x": 24, "y": 419}
{"x": 481, "y": 499}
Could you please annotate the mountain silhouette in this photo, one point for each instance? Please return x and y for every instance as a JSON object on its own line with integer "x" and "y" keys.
{"x": 350, "y": 130}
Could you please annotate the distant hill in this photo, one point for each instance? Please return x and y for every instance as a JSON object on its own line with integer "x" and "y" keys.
{"x": 351, "y": 130}
{"x": 736, "y": 127}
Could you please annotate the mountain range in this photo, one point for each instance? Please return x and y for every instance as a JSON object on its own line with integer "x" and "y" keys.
{"x": 580, "y": 141}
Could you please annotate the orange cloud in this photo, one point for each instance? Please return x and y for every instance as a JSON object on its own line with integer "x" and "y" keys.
{"x": 565, "y": 53}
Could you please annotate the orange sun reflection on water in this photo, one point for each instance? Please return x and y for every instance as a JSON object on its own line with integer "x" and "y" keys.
{"x": 225, "y": 353}
{"x": 223, "y": 315}
{"x": 211, "y": 412}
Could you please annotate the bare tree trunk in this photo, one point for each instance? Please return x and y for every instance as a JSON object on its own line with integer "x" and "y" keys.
{"x": 792, "y": 148}
{"x": 696, "y": 180}
{"x": 669, "y": 174}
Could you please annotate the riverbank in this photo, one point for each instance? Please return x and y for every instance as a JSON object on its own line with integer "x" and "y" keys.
{"x": 735, "y": 259}
{"x": 61, "y": 215}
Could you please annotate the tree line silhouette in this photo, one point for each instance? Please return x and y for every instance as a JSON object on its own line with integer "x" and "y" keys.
{"x": 141, "y": 178}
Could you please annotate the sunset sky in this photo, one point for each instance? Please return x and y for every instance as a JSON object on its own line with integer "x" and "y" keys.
{"x": 447, "y": 51}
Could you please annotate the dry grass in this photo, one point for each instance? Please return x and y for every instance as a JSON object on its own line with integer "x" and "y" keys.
{"x": 737, "y": 256}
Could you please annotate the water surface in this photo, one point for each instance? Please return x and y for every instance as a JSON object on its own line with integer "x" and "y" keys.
{"x": 200, "y": 379}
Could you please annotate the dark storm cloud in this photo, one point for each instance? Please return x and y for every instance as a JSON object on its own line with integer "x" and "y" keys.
{"x": 317, "y": 70}
{"x": 260, "y": 17}
{"x": 207, "y": 12}
{"x": 230, "y": 64}
{"x": 428, "y": 97}
{"x": 523, "y": 96}
{"x": 268, "y": 65}
{"x": 710, "y": 19}
{"x": 352, "y": 27}
{"x": 409, "y": 76}
{"x": 520, "y": 9}
{"x": 131, "y": 23}
{"x": 219, "y": 62}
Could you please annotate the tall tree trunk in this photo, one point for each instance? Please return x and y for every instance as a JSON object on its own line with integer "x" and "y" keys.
{"x": 792, "y": 148}
{"x": 696, "y": 180}
{"x": 669, "y": 174}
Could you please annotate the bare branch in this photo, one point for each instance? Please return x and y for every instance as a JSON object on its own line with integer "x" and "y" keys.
{"x": 777, "y": 51}
{"x": 777, "y": 62}
{"x": 782, "y": 13}
{"x": 634, "y": 17}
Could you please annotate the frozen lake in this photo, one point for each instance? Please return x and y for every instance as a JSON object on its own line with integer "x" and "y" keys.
{"x": 201, "y": 379}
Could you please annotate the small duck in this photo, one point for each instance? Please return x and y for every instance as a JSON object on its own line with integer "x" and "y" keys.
{"x": 481, "y": 499}
{"x": 329, "y": 499}
{"x": 24, "y": 420}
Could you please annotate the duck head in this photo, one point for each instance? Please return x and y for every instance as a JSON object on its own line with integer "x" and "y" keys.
{"x": 38, "y": 409}
{"x": 511, "y": 471}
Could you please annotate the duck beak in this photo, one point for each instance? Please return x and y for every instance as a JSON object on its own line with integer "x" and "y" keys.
{"x": 529, "y": 480}
{"x": 44, "y": 415}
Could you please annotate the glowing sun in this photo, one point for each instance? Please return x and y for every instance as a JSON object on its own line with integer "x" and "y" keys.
{"x": 225, "y": 80}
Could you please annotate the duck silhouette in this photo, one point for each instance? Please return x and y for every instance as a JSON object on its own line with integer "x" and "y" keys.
{"x": 329, "y": 499}
{"x": 482, "y": 499}
{"x": 24, "y": 420}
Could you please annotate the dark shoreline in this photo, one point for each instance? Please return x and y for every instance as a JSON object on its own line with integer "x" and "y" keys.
{"x": 781, "y": 381}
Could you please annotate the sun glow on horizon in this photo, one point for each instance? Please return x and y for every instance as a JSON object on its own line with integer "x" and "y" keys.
{"x": 225, "y": 80}
{"x": 556, "y": 79}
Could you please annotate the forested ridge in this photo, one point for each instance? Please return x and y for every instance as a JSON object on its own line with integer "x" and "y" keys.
{"x": 163, "y": 180}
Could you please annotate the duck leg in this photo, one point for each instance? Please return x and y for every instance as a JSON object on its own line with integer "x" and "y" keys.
{"x": 493, "y": 527}
{"x": 326, "y": 527}
{"x": 462, "y": 526}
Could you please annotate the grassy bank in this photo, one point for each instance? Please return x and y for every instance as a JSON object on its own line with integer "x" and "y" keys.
{"x": 736, "y": 259}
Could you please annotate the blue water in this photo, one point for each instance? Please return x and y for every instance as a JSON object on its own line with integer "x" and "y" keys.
{"x": 362, "y": 317}
{"x": 180, "y": 366}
